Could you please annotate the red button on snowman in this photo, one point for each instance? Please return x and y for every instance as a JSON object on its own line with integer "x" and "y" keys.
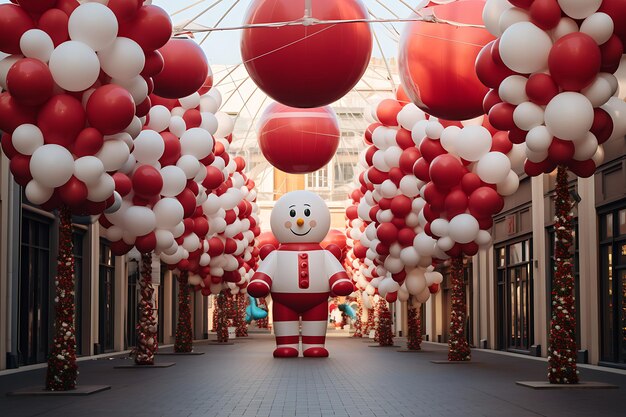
{"x": 300, "y": 275}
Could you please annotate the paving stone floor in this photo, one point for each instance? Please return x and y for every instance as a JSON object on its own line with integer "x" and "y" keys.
{"x": 244, "y": 380}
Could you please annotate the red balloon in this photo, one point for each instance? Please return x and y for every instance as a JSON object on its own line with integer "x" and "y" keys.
{"x": 369, "y": 132}
{"x": 124, "y": 9}
{"x": 214, "y": 178}
{"x": 20, "y": 168}
{"x": 8, "y": 148}
{"x": 611, "y": 52}
{"x": 401, "y": 96}
{"x": 430, "y": 149}
{"x": 123, "y": 184}
{"x": 154, "y": 64}
{"x": 501, "y": 143}
{"x": 14, "y": 114}
{"x": 67, "y": 6}
{"x": 120, "y": 248}
{"x": 561, "y": 151}
{"x": 470, "y": 249}
{"x": 401, "y": 206}
{"x": 434, "y": 197}
{"x": 583, "y": 169}
{"x": 446, "y": 171}
{"x": 88, "y": 142}
{"x": 541, "y": 88}
{"x": 433, "y": 288}
{"x": 306, "y": 66}
{"x": 391, "y": 297}
{"x": 188, "y": 200}
{"x": 298, "y": 141}
{"x": 143, "y": 108}
{"x": 146, "y": 243}
{"x": 208, "y": 84}
{"x": 387, "y": 233}
{"x": 408, "y": 158}
{"x": 489, "y": 72}
{"x": 404, "y": 139}
{"x": 171, "y": 154}
{"x": 574, "y": 61}
{"x": 73, "y": 192}
{"x": 147, "y": 181}
{"x": 61, "y": 119}
{"x": 524, "y": 4}
{"x": 436, "y": 62}
{"x": 192, "y": 118}
{"x": 485, "y": 202}
{"x": 456, "y": 203}
{"x": 36, "y": 6}
{"x": 387, "y": 112}
{"x": 421, "y": 170}
{"x": 491, "y": 99}
{"x": 184, "y": 71}
{"x": 110, "y": 109}
{"x": 151, "y": 28}
{"x": 369, "y": 155}
{"x": 54, "y": 23}
{"x": 14, "y": 21}
{"x": 617, "y": 10}
{"x": 545, "y": 14}
{"x": 501, "y": 116}
{"x": 533, "y": 169}
{"x": 470, "y": 182}
{"x": 201, "y": 226}
{"x": 602, "y": 126}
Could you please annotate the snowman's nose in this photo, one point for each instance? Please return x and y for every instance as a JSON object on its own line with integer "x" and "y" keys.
{"x": 300, "y": 222}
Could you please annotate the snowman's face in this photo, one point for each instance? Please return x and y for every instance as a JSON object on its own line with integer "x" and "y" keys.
{"x": 300, "y": 217}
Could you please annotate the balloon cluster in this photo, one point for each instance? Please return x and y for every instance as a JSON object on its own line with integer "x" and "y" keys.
{"x": 551, "y": 72}
{"x": 383, "y": 222}
{"x": 76, "y": 87}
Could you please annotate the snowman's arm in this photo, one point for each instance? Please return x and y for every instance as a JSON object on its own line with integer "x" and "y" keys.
{"x": 261, "y": 282}
{"x": 338, "y": 279}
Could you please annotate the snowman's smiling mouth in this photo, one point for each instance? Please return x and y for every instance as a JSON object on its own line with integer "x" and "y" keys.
{"x": 301, "y": 234}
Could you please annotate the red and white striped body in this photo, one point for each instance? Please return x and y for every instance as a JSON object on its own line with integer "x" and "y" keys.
{"x": 301, "y": 276}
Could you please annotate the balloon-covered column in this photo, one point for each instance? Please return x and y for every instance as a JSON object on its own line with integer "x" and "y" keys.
{"x": 77, "y": 86}
{"x": 553, "y": 88}
{"x": 184, "y": 335}
{"x": 414, "y": 319}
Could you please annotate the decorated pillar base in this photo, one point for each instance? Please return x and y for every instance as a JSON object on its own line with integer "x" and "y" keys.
{"x": 458, "y": 348}
{"x": 358, "y": 331}
{"x": 385, "y": 336}
{"x": 62, "y": 369}
{"x": 222, "y": 319}
{"x": 264, "y": 322}
{"x": 184, "y": 336}
{"x": 414, "y": 335}
{"x": 562, "y": 368}
{"x": 147, "y": 343}
{"x": 242, "y": 326}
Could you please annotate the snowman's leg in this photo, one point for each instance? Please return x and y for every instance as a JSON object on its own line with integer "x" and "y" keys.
{"x": 314, "y": 323}
{"x": 286, "y": 330}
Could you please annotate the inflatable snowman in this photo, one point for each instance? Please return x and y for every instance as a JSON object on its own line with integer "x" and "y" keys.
{"x": 300, "y": 275}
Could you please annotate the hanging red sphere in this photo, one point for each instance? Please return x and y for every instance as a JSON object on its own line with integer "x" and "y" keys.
{"x": 306, "y": 66}
{"x": 436, "y": 61}
{"x": 185, "y": 69}
{"x": 298, "y": 141}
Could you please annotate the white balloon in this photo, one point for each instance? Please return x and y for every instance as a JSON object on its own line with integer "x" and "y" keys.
{"x": 409, "y": 115}
{"x": 5, "y": 66}
{"x": 517, "y": 156}
{"x": 190, "y": 166}
{"x": 598, "y": 157}
{"x": 513, "y": 89}
{"x": 464, "y": 228}
{"x": 378, "y": 160}
{"x": 88, "y": 169}
{"x": 37, "y": 193}
{"x": 536, "y": 157}
{"x": 36, "y": 44}
{"x": 225, "y": 124}
{"x": 538, "y": 139}
{"x": 569, "y": 116}
{"x": 434, "y": 130}
{"x": 208, "y": 104}
{"x": 473, "y": 142}
{"x": 493, "y": 168}
{"x": 209, "y": 122}
{"x": 586, "y": 148}
{"x": 528, "y": 115}
{"x": 418, "y": 133}
{"x": 123, "y": 59}
{"x": 511, "y": 16}
{"x": 483, "y": 238}
{"x": 27, "y": 138}
{"x": 409, "y": 256}
{"x": 114, "y": 233}
{"x": 174, "y": 181}
{"x": 564, "y": 27}
{"x": 392, "y": 156}
{"x": 190, "y": 102}
{"x": 177, "y": 126}
{"x": 159, "y": 118}
{"x": 599, "y": 91}
{"x": 409, "y": 186}
{"x": 139, "y": 220}
{"x": 101, "y": 190}
{"x": 579, "y": 9}
{"x": 113, "y": 154}
{"x": 134, "y": 128}
{"x": 424, "y": 244}
{"x": 197, "y": 142}
{"x": 388, "y": 189}
{"x": 510, "y": 184}
{"x": 415, "y": 281}
{"x": 440, "y": 227}
{"x": 136, "y": 86}
{"x": 599, "y": 26}
{"x": 51, "y": 165}
{"x": 148, "y": 147}
{"x": 93, "y": 24}
{"x": 524, "y": 48}
{"x": 491, "y": 15}
{"x": 449, "y": 139}
{"x": 74, "y": 66}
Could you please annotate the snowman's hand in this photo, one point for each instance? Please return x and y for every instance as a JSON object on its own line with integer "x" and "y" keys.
{"x": 340, "y": 284}
{"x": 260, "y": 285}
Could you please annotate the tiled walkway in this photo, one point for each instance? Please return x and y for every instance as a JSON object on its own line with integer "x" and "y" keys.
{"x": 357, "y": 380}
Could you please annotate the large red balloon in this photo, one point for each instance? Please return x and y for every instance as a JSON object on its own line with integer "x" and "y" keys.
{"x": 147, "y": 181}
{"x": 30, "y": 82}
{"x": 54, "y": 23}
{"x": 298, "y": 140}
{"x": 185, "y": 69}
{"x": 61, "y": 119}
{"x": 14, "y": 21}
{"x": 151, "y": 27}
{"x": 110, "y": 109}
{"x": 436, "y": 61}
{"x": 306, "y": 66}
{"x": 574, "y": 61}
{"x": 446, "y": 171}
{"x": 13, "y": 114}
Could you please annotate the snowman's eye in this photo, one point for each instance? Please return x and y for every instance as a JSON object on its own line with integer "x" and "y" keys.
{"x": 292, "y": 213}
{"x": 307, "y": 212}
